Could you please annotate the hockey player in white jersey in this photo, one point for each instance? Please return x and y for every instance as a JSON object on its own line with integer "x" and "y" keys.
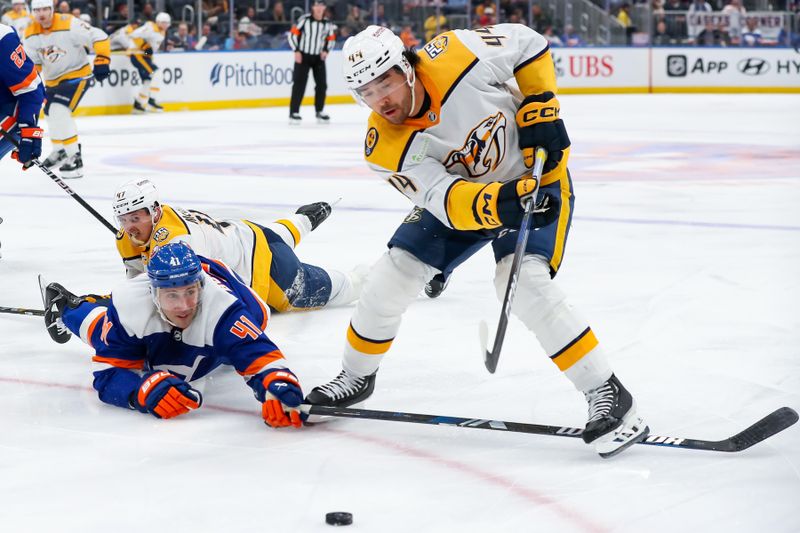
{"x": 263, "y": 256}
{"x": 17, "y": 17}
{"x": 58, "y": 45}
{"x": 157, "y": 334}
{"x": 142, "y": 43}
{"x": 450, "y": 133}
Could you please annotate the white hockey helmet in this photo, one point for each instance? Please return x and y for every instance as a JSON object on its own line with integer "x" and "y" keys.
{"x": 370, "y": 54}
{"x": 135, "y": 195}
{"x": 14, "y": 2}
{"x": 41, "y": 4}
{"x": 163, "y": 17}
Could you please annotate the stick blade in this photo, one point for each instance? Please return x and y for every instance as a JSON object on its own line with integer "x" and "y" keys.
{"x": 488, "y": 358}
{"x": 773, "y": 423}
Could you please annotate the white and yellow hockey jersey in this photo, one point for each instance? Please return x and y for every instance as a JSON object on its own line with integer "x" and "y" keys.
{"x": 18, "y": 21}
{"x": 240, "y": 244}
{"x": 148, "y": 36}
{"x": 61, "y": 50}
{"x": 121, "y": 39}
{"x": 469, "y": 133}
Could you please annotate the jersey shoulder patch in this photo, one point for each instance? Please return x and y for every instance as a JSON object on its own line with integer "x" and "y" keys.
{"x": 445, "y": 62}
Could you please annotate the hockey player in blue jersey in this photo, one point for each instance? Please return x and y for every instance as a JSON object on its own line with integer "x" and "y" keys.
{"x": 21, "y": 97}
{"x": 159, "y": 333}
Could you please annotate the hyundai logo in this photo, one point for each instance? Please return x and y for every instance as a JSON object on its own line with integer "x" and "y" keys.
{"x": 753, "y": 66}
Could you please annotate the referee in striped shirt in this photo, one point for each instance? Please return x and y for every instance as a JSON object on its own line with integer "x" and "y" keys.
{"x": 311, "y": 39}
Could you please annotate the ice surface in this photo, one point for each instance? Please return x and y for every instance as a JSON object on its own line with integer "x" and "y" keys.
{"x": 684, "y": 254}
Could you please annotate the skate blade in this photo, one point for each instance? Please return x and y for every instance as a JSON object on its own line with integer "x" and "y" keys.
{"x": 628, "y": 434}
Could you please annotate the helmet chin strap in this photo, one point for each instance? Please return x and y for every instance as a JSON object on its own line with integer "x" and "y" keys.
{"x": 411, "y": 80}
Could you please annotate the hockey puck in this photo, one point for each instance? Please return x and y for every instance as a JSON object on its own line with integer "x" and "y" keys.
{"x": 339, "y": 519}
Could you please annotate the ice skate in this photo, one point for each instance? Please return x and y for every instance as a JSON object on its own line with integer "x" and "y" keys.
{"x": 56, "y": 156}
{"x": 73, "y": 168}
{"x": 295, "y": 119}
{"x": 613, "y": 423}
{"x": 138, "y": 108}
{"x": 323, "y": 118}
{"x": 152, "y": 105}
{"x": 343, "y": 391}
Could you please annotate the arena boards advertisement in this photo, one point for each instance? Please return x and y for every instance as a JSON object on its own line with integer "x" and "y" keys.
{"x": 218, "y": 80}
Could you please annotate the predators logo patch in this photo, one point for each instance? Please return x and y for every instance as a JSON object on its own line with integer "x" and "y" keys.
{"x": 414, "y": 216}
{"x": 161, "y": 235}
{"x": 436, "y": 46}
{"x": 370, "y": 141}
{"x": 483, "y": 150}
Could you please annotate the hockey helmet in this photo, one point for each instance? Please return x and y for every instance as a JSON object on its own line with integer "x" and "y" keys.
{"x": 174, "y": 265}
{"x": 135, "y": 195}
{"x": 370, "y": 54}
{"x": 41, "y": 4}
{"x": 163, "y": 17}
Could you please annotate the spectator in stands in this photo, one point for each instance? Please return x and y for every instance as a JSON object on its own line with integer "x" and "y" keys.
{"x": 539, "y": 20}
{"x": 342, "y": 34}
{"x": 658, "y": 9}
{"x": 675, "y": 17}
{"x": 551, "y": 37}
{"x": 698, "y": 6}
{"x": 76, "y": 12}
{"x": 624, "y": 18}
{"x": 487, "y": 18}
{"x": 734, "y": 6}
{"x": 661, "y": 37}
{"x": 434, "y": 26}
{"x": 213, "y": 10}
{"x": 148, "y": 11}
{"x": 209, "y": 39}
{"x": 712, "y": 35}
{"x": 355, "y": 19}
{"x": 278, "y": 23}
{"x": 63, "y": 7}
{"x": 242, "y": 41}
{"x": 181, "y": 39}
{"x": 248, "y": 26}
{"x": 381, "y": 16}
{"x": 571, "y": 37}
{"x": 407, "y": 36}
{"x": 751, "y": 35}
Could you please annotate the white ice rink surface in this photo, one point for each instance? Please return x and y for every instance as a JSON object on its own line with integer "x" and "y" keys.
{"x": 684, "y": 254}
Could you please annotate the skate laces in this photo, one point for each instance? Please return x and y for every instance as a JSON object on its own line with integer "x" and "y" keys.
{"x": 342, "y": 386}
{"x": 601, "y": 401}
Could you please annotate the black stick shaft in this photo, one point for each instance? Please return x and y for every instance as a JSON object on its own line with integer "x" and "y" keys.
{"x": 768, "y": 426}
{"x": 491, "y": 358}
{"x": 64, "y": 186}
{"x": 21, "y": 311}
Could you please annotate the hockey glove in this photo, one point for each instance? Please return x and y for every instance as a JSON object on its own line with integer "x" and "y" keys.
{"x": 279, "y": 391}
{"x": 511, "y": 204}
{"x": 30, "y": 145}
{"x": 316, "y": 213}
{"x": 165, "y": 395}
{"x": 539, "y": 125}
{"x": 101, "y": 68}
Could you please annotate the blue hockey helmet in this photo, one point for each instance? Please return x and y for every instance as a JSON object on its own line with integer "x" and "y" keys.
{"x": 174, "y": 265}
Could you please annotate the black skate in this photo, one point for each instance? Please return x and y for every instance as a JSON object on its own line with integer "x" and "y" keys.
{"x": 55, "y": 157}
{"x": 323, "y": 118}
{"x": 343, "y": 391}
{"x": 154, "y": 106}
{"x": 295, "y": 119}
{"x": 316, "y": 213}
{"x": 73, "y": 168}
{"x": 138, "y": 108}
{"x": 613, "y": 423}
{"x": 56, "y": 298}
{"x": 436, "y": 286}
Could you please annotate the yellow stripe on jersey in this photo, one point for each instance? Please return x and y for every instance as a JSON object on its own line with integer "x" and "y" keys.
{"x": 77, "y": 98}
{"x": 61, "y": 22}
{"x": 563, "y": 223}
{"x": 365, "y": 345}
{"x": 559, "y": 173}
{"x": 472, "y": 206}
{"x": 536, "y": 75}
{"x": 449, "y": 66}
{"x": 575, "y": 350}
{"x": 261, "y": 281}
{"x": 289, "y": 225}
{"x": 82, "y": 72}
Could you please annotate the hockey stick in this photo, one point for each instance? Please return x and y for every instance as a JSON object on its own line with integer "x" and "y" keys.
{"x": 21, "y": 311}
{"x": 63, "y": 185}
{"x": 773, "y": 423}
{"x": 490, "y": 358}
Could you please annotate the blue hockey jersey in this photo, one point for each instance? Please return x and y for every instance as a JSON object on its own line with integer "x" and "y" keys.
{"x": 130, "y": 336}
{"x": 21, "y": 88}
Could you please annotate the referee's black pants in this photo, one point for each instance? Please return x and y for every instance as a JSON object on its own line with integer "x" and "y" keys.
{"x": 317, "y": 65}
